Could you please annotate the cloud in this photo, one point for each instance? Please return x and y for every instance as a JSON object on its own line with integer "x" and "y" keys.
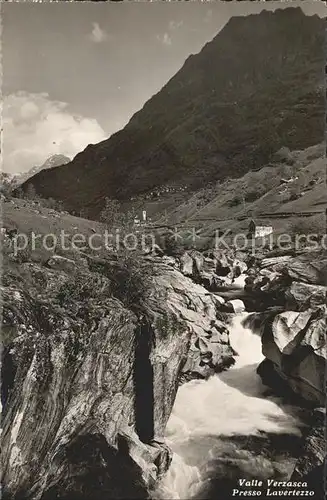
{"x": 174, "y": 25}
{"x": 97, "y": 35}
{"x": 34, "y": 128}
{"x": 165, "y": 39}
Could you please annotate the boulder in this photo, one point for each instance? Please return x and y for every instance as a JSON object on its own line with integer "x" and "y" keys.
{"x": 191, "y": 264}
{"x": 209, "y": 265}
{"x": 307, "y": 268}
{"x": 213, "y": 269}
{"x": 236, "y": 306}
{"x": 275, "y": 263}
{"x": 61, "y": 263}
{"x": 54, "y": 353}
{"x": 186, "y": 264}
{"x": 193, "y": 312}
{"x": 295, "y": 344}
{"x": 300, "y": 296}
{"x": 311, "y": 465}
{"x": 313, "y": 271}
{"x": 286, "y": 327}
{"x": 198, "y": 260}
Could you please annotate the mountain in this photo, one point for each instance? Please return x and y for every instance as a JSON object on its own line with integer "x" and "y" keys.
{"x": 7, "y": 182}
{"x": 256, "y": 87}
{"x": 52, "y": 162}
{"x": 10, "y": 182}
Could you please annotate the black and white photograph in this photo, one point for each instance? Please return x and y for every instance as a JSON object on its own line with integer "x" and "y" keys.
{"x": 163, "y": 250}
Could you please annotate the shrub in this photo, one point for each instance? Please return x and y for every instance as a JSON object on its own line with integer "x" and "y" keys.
{"x": 308, "y": 225}
{"x": 30, "y": 192}
{"x": 284, "y": 155}
{"x": 24, "y": 255}
{"x": 129, "y": 274}
{"x": 235, "y": 202}
{"x": 294, "y": 196}
{"x": 110, "y": 212}
{"x": 113, "y": 217}
{"x": 74, "y": 288}
{"x": 51, "y": 203}
{"x": 252, "y": 196}
{"x": 131, "y": 279}
{"x": 79, "y": 287}
{"x": 172, "y": 246}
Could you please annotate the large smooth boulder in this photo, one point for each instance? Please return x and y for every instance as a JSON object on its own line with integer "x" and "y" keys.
{"x": 308, "y": 268}
{"x": 193, "y": 312}
{"x": 297, "y": 283}
{"x": 295, "y": 344}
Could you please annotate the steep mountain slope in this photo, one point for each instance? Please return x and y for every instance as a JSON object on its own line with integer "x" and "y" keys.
{"x": 258, "y": 86}
{"x": 291, "y": 187}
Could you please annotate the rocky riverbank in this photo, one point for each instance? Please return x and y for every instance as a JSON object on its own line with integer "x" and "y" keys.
{"x": 90, "y": 376}
{"x": 94, "y": 351}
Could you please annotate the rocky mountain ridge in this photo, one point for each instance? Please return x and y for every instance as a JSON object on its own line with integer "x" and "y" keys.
{"x": 10, "y": 182}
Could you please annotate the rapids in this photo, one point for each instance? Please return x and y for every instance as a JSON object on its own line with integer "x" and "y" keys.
{"x": 229, "y": 427}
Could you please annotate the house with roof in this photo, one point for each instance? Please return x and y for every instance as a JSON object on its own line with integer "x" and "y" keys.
{"x": 259, "y": 231}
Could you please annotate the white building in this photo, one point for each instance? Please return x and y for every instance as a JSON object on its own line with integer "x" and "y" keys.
{"x": 256, "y": 231}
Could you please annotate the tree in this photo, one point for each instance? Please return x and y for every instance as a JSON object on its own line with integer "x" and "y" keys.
{"x": 113, "y": 216}
{"x": 109, "y": 214}
{"x": 19, "y": 192}
{"x": 31, "y": 192}
{"x": 83, "y": 213}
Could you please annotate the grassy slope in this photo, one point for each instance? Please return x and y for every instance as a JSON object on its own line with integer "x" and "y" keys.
{"x": 205, "y": 209}
{"x": 225, "y": 200}
{"x": 25, "y": 216}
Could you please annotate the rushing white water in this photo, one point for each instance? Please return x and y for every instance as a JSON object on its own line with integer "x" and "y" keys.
{"x": 211, "y": 420}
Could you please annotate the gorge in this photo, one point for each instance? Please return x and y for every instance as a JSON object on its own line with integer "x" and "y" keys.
{"x": 182, "y": 370}
{"x": 153, "y": 392}
{"x": 231, "y": 427}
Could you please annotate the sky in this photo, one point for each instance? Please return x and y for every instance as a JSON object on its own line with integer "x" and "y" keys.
{"x": 74, "y": 73}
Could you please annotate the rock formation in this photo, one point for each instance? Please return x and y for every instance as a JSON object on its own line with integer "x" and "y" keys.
{"x": 9, "y": 182}
{"x": 311, "y": 466}
{"x": 215, "y": 270}
{"x": 295, "y": 347}
{"x": 295, "y": 283}
{"x": 90, "y": 376}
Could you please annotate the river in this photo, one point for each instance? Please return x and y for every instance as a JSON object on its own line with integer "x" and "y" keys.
{"x": 229, "y": 427}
